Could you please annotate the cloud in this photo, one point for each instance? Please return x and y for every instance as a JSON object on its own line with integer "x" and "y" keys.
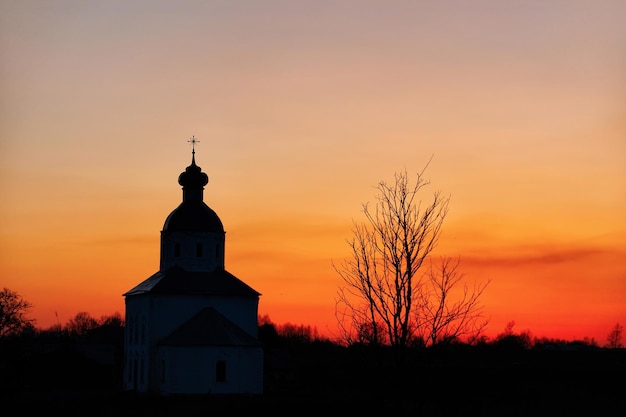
{"x": 541, "y": 255}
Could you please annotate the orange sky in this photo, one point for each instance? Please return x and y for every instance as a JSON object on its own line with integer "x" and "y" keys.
{"x": 301, "y": 108}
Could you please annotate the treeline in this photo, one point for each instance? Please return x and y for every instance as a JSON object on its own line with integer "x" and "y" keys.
{"x": 76, "y": 368}
{"x": 109, "y": 328}
{"x": 15, "y": 324}
{"x": 289, "y": 333}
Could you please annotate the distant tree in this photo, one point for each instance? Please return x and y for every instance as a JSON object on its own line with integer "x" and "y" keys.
{"x": 80, "y": 324}
{"x": 297, "y": 333}
{"x": 549, "y": 343}
{"x": 267, "y": 332}
{"x": 590, "y": 341}
{"x": 13, "y": 310}
{"x": 264, "y": 319}
{"x": 510, "y": 340}
{"x": 508, "y": 329}
{"x": 614, "y": 339}
{"x": 384, "y": 297}
{"x": 113, "y": 320}
{"x": 53, "y": 329}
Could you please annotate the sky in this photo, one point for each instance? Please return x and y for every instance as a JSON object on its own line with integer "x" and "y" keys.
{"x": 301, "y": 109}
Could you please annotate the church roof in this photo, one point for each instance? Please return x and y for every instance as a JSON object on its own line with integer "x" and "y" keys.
{"x": 209, "y": 328}
{"x": 193, "y": 216}
{"x": 179, "y": 281}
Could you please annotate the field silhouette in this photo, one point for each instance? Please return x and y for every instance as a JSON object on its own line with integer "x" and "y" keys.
{"x": 81, "y": 375}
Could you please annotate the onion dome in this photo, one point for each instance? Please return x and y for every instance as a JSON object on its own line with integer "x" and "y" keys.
{"x": 193, "y": 215}
{"x": 193, "y": 178}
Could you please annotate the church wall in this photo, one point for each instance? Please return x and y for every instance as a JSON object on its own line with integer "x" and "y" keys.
{"x": 167, "y": 313}
{"x": 136, "y": 344}
{"x": 193, "y": 370}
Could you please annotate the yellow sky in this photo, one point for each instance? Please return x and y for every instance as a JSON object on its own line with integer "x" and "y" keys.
{"x": 300, "y": 109}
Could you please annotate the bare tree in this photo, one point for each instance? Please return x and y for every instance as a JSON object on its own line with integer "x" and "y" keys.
{"x": 13, "y": 309}
{"x": 385, "y": 299}
{"x": 614, "y": 339}
{"x": 448, "y": 308}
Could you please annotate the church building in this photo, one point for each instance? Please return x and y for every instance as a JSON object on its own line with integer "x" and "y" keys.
{"x": 191, "y": 328}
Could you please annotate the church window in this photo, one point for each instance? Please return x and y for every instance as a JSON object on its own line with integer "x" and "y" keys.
{"x": 141, "y": 371}
{"x": 177, "y": 249}
{"x": 163, "y": 371}
{"x": 199, "y": 250}
{"x": 220, "y": 371}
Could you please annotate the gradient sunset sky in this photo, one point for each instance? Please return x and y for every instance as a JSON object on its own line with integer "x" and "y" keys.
{"x": 301, "y": 108}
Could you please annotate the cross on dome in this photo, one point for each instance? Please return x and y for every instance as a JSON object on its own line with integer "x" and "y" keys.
{"x": 193, "y": 142}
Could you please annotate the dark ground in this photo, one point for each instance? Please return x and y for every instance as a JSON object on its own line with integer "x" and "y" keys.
{"x": 321, "y": 379}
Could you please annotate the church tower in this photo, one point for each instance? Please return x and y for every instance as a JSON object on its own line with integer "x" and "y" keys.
{"x": 191, "y": 328}
{"x": 193, "y": 236}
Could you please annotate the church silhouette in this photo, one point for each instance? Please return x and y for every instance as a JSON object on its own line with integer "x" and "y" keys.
{"x": 191, "y": 328}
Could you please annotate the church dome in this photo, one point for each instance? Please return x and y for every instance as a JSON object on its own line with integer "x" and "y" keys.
{"x": 193, "y": 215}
{"x": 193, "y": 177}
